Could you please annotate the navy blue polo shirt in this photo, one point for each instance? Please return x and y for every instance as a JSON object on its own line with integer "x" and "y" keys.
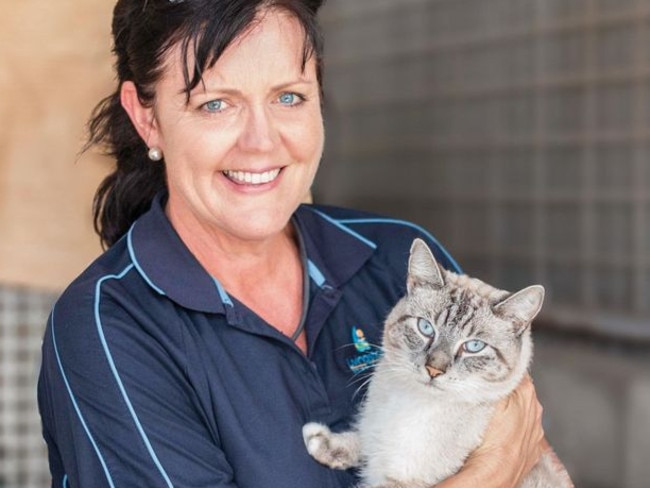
{"x": 153, "y": 375}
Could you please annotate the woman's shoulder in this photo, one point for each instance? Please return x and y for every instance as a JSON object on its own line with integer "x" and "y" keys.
{"x": 81, "y": 294}
{"x": 390, "y": 235}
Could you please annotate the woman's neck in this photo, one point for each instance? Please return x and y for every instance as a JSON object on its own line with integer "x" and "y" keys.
{"x": 266, "y": 275}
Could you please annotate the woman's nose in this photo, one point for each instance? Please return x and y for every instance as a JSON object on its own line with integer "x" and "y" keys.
{"x": 259, "y": 133}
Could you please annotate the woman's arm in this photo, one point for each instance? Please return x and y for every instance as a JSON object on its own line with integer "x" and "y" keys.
{"x": 118, "y": 410}
{"x": 513, "y": 444}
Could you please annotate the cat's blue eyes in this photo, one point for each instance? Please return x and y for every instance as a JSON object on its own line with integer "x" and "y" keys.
{"x": 474, "y": 346}
{"x": 425, "y": 327}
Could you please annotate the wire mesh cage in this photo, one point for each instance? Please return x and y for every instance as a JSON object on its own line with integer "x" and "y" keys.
{"x": 531, "y": 121}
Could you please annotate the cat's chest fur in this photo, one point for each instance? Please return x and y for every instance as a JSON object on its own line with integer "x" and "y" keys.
{"x": 407, "y": 433}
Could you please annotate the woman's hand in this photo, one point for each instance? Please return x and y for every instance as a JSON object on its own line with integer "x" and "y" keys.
{"x": 514, "y": 440}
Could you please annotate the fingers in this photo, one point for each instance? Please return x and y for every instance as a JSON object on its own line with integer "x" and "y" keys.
{"x": 515, "y": 431}
{"x": 535, "y": 442}
{"x": 536, "y": 436}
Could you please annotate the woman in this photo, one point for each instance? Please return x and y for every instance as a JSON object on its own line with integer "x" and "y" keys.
{"x": 225, "y": 315}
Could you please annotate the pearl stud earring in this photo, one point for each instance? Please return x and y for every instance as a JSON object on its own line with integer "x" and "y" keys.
{"x": 154, "y": 153}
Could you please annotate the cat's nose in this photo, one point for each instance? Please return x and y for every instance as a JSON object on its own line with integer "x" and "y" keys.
{"x": 433, "y": 372}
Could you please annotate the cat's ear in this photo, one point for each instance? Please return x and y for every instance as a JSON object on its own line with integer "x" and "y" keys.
{"x": 522, "y": 306}
{"x": 423, "y": 268}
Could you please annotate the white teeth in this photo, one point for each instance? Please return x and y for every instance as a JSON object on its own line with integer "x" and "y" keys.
{"x": 252, "y": 178}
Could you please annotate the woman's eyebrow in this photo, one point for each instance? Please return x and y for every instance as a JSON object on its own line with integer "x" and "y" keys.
{"x": 206, "y": 88}
{"x": 298, "y": 82}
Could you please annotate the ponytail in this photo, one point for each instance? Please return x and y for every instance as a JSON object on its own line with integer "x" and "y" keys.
{"x": 127, "y": 192}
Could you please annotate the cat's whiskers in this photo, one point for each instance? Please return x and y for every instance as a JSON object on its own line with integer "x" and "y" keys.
{"x": 398, "y": 374}
{"x": 362, "y": 386}
{"x": 350, "y": 345}
{"x": 377, "y": 346}
{"x": 359, "y": 377}
{"x": 363, "y": 378}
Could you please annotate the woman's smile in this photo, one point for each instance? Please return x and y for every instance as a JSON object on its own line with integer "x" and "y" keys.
{"x": 250, "y": 178}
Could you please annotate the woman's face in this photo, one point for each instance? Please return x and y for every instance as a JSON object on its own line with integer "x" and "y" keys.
{"x": 243, "y": 153}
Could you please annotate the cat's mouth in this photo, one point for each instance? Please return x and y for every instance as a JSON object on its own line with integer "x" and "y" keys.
{"x": 433, "y": 382}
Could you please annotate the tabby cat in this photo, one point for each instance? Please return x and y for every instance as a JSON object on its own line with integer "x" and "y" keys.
{"x": 453, "y": 347}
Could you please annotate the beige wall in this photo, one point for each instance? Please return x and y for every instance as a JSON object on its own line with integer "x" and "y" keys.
{"x": 54, "y": 65}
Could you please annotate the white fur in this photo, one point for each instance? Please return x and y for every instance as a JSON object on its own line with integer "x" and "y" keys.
{"x": 405, "y": 435}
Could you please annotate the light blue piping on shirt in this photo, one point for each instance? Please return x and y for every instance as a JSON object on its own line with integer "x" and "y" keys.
{"x": 78, "y": 411}
{"x": 339, "y": 224}
{"x": 453, "y": 262}
{"x": 225, "y": 298}
{"x": 116, "y": 375}
{"x": 129, "y": 243}
{"x": 315, "y": 274}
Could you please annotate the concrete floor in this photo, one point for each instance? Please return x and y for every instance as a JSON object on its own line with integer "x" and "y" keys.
{"x": 596, "y": 397}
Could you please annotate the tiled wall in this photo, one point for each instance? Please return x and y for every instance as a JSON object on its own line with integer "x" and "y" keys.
{"x": 518, "y": 131}
{"x": 23, "y": 314}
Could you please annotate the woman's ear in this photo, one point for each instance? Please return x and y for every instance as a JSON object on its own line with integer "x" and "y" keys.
{"x": 142, "y": 117}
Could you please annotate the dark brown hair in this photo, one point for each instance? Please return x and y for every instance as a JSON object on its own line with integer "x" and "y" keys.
{"x": 143, "y": 32}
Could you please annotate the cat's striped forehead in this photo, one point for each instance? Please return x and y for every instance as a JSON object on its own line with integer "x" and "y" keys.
{"x": 459, "y": 304}
{"x": 473, "y": 290}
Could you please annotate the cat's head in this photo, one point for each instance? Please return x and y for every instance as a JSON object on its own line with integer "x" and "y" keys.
{"x": 458, "y": 335}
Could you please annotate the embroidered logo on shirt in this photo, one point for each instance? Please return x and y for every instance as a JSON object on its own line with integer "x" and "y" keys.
{"x": 359, "y": 340}
{"x": 367, "y": 355}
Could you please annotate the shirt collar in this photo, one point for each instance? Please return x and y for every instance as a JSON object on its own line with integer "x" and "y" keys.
{"x": 334, "y": 254}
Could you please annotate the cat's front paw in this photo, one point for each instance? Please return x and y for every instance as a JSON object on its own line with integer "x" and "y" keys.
{"x": 338, "y": 451}
{"x": 316, "y": 437}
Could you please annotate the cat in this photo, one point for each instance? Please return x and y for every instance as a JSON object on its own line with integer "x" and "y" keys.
{"x": 453, "y": 346}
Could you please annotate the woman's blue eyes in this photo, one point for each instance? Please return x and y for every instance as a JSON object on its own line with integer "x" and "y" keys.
{"x": 425, "y": 327}
{"x": 214, "y": 105}
{"x": 474, "y": 346}
{"x": 288, "y": 99}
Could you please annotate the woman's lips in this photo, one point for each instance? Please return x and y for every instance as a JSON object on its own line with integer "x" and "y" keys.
{"x": 250, "y": 178}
